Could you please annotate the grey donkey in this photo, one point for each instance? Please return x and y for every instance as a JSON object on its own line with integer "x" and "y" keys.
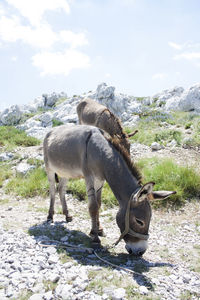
{"x": 85, "y": 151}
{"x": 93, "y": 113}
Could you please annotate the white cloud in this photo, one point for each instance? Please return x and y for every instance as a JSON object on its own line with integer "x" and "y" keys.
{"x": 175, "y": 45}
{"x": 34, "y": 10}
{"x": 159, "y": 76}
{"x": 11, "y": 30}
{"x": 188, "y": 56}
{"x": 51, "y": 63}
{"x": 38, "y": 33}
{"x": 74, "y": 39}
{"x": 107, "y": 75}
{"x": 14, "y": 58}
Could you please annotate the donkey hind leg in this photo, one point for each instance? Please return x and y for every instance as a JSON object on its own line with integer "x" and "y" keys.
{"x": 52, "y": 190}
{"x": 98, "y": 197}
{"x": 62, "y": 191}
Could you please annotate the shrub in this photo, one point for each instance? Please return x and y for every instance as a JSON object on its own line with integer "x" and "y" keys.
{"x": 5, "y": 173}
{"x": 11, "y": 137}
{"x": 169, "y": 176}
{"x": 57, "y": 122}
{"x": 35, "y": 183}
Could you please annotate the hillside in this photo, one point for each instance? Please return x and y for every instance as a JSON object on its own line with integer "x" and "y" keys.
{"x": 169, "y": 128}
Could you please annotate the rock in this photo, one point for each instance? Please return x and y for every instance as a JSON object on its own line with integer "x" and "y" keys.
{"x": 155, "y": 146}
{"x": 143, "y": 290}
{"x": 173, "y": 143}
{"x": 23, "y": 168}
{"x": 53, "y": 259}
{"x": 6, "y": 156}
{"x": 36, "y": 297}
{"x": 119, "y": 294}
{"x": 46, "y": 119}
{"x": 103, "y": 91}
{"x": 11, "y": 115}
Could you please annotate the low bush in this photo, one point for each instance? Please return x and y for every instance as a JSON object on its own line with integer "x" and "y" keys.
{"x": 169, "y": 176}
{"x": 10, "y": 137}
{"x": 5, "y": 173}
{"x": 35, "y": 183}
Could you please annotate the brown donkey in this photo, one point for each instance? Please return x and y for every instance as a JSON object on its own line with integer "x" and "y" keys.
{"x": 82, "y": 150}
{"x": 92, "y": 113}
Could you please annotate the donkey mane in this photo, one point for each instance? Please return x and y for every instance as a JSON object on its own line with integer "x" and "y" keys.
{"x": 118, "y": 122}
{"x": 124, "y": 153}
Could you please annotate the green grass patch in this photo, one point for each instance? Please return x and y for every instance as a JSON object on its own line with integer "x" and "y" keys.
{"x": 78, "y": 189}
{"x": 5, "y": 173}
{"x": 10, "y": 137}
{"x": 56, "y": 122}
{"x": 169, "y": 176}
{"x": 35, "y": 183}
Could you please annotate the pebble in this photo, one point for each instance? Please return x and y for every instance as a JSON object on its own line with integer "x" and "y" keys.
{"x": 143, "y": 290}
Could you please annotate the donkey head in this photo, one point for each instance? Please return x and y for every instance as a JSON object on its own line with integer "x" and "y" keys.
{"x": 134, "y": 220}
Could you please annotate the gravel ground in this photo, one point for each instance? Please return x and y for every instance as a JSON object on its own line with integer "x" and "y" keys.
{"x": 170, "y": 268}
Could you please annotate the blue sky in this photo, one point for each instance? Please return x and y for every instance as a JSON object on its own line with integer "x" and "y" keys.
{"x": 139, "y": 46}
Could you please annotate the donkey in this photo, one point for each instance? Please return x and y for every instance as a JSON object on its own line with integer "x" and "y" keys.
{"x": 83, "y": 150}
{"x": 91, "y": 112}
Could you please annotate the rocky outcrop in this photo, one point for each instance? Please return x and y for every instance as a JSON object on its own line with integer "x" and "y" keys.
{"x": 11, "y": 115}
{"x": 48, "y": 111}
{"x": 178, "y": 99}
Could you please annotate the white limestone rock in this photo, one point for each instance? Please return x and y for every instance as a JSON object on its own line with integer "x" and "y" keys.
{"x": 23, "y": 168}
{"x": 189, "y": 100}
{"x": 155, "y": 146}
{"x": 46, "y": 119}
{"x": 11, "y": 115}
{"x": 104, "y": 92}
{"x": 6, "y": 156}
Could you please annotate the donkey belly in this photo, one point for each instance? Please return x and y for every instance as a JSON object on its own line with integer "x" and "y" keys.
{"x": 66, "y": 171}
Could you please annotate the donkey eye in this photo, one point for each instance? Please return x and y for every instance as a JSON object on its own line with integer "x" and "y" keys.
{"x": 141, "y": 223}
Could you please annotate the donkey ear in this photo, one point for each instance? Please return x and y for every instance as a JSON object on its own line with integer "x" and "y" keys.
{"x": 141, "y": 195}
{"x": 161, "y": 195}
{"x": 132, "y": 133}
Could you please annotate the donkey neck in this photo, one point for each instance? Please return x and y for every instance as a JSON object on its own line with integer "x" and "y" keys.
{"x": 120, "y": 178}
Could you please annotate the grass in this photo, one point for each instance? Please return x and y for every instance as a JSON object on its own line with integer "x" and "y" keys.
{"x": 78, "y": 189}
{"x": 152, "y": 128}
{"x": 56, "y": 122}
{"x": 5, "y": 173}
{"x": 169, "y": 176}
{"x": 34, "y": 184}
{"x": 10, "y": 137}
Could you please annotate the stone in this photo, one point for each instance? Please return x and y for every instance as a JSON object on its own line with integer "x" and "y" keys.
{"x": 46, "y": 119}
{"x": 155, "y": 146}
{"x": 23, "y": 168}
{"x": 143, "y": 290}
{"x": 118, "y": 294}
{"x": 53, "y": 259}
{"x": 36, "y": 297}
{"x": 6, "y": 156}
{"x": 103, "y": 91}
{"x": 11, "y": 115}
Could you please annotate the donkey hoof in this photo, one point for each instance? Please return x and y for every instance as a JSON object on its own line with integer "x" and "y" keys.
{"x": 96, "y": 246}
{"x": 68, "y": 219}
{"x": 101, "y": 233}
{"x": 49, "y": 220}
{"x": 95, "y": 238}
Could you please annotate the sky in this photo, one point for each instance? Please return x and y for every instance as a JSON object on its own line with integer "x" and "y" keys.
{"x": 139, "y": 46}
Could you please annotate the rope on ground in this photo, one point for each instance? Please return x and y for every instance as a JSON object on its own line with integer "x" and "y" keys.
{"x": 88, "y": 250}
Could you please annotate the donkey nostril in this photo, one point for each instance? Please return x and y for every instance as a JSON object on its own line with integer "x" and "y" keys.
{"x": 130, "y": 251}
{"x": 140, "y": 253}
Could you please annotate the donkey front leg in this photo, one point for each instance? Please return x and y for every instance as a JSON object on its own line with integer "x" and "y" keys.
{"x": 94, "y": 214}
{"x": 62, "y": 191}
